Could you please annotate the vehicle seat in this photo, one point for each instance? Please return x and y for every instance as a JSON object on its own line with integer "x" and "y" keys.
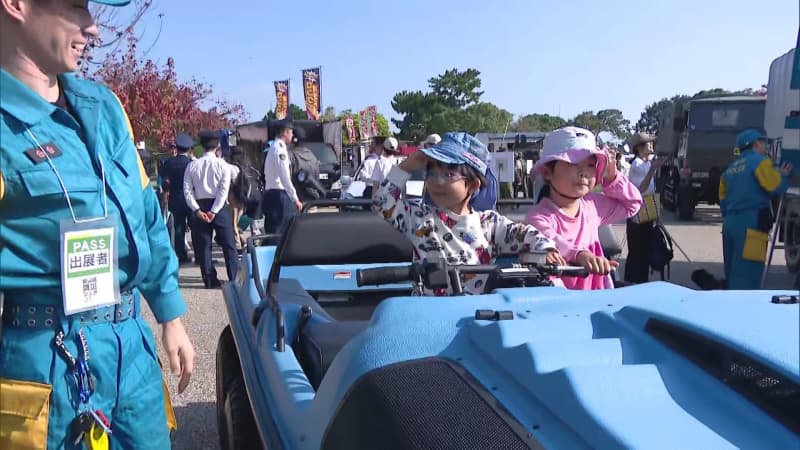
{"x": 319, "y": 342}
{"x": 290, "y": 291}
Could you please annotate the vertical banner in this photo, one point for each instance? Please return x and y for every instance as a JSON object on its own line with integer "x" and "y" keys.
{"x": 373, "y": 120}
{"x": 350, "y": 125}
{"x": 363, "y": 125}
{"x": 311, "y": 91}
{"x": 282, "y": 96}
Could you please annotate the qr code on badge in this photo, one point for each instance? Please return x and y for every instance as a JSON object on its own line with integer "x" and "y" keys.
{"x": 89, "y": 288}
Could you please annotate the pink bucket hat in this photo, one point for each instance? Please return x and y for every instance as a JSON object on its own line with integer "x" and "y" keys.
{"x": 571, "y": 145}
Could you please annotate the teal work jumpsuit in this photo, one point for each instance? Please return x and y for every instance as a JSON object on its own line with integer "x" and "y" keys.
{"x": 92, "y": 133}
{"x": 746, "y": 188}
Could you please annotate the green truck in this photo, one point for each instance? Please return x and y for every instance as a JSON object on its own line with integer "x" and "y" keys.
{"x": 698, "y": 138}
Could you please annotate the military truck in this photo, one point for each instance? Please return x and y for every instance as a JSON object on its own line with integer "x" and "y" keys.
{"x": 698, "y": 138}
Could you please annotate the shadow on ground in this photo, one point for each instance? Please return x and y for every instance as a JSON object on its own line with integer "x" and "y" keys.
{"x": 197, "y": 427}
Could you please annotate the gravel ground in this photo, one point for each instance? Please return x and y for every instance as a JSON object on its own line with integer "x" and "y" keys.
{"x": 206, "y": 317}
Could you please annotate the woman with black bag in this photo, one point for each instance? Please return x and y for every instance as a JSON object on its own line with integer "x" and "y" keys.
{"x": 640, "y": 228}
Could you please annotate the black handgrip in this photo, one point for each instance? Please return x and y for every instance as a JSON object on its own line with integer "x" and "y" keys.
{"x": 385, "y": 275}
{"x": 571, "y": 271}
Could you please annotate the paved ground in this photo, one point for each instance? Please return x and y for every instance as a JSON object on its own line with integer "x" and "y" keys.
{"x": 196, "y": 408}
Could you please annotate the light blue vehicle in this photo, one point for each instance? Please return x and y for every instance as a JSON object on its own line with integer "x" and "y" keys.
{"x": 649, "y": 366}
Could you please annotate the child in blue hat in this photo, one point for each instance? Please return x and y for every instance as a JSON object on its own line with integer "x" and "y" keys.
{"x": 448, "y": 226}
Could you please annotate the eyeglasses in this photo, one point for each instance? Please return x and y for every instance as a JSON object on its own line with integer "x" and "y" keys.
{"x": 443, "y": 177}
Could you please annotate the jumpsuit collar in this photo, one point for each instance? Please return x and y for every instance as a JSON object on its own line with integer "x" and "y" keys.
{"x": 29, "y": 107}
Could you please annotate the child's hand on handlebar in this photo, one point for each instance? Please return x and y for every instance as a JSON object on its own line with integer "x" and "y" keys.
{"x": 555, "y": 258}
{"x": 596, "y": 264}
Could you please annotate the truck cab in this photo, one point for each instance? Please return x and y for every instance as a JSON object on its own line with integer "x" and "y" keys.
{"x": 700, "y": 145}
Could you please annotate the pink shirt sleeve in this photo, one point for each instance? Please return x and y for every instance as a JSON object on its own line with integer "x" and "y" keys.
{"x": 543, "y": 218}
{"x": 620, "y": 200}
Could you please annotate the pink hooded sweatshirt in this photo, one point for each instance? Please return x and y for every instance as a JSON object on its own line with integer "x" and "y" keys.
{"x": 619, "y": 201}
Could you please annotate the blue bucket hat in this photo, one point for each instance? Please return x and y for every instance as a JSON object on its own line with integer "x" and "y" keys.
{"x": 747, "y": 137}
{"x": 462, "y": 148}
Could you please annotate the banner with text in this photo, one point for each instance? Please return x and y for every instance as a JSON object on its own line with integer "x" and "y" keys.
{"x": 363, "y": 125}
{"x": 311, "y": 89}
{"x": 373, "y": 120}
{"x": 350, "y": 125}
{"x": 282, "y": 97}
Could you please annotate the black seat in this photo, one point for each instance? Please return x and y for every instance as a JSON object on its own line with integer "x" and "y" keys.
{"x": 360, "y": 237}
{"x": 320, "y": 342}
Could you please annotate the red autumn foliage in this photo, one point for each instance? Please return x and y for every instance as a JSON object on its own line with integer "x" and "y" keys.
{"x": 158, "y": 104}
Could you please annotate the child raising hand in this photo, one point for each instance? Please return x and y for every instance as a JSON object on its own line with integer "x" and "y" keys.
{"x": 447, "y": 228}
{"x": 570, "y": 210}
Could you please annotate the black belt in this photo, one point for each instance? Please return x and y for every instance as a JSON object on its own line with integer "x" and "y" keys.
{"x": 27, "y": 315}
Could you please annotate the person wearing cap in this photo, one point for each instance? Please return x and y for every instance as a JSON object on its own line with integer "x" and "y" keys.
{"x": 206, "y": 185}
{"x": 385, "y": 163}
{"x": 640, "y": 235}
{"x": 431, "y": 141}
{"x": 280, "y": 197}
{"x": 367, "y": 167}
{"x": 305, "y": 169}
{"x": 745, "y": 192}
{"x": 571, "y": 165}
{"x": 173, "y": 172}
{"x": 446, "y": 227}
{"x": 72, "y": 181}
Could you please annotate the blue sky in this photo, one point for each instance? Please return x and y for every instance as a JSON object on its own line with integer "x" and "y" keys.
{"x": 535, "y": 56}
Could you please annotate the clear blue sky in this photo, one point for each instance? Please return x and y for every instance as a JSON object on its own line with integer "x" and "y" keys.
{"x": 534, "y": 56}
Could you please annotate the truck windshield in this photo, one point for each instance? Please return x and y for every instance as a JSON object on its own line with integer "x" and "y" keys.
{"x": 324, "y": 154}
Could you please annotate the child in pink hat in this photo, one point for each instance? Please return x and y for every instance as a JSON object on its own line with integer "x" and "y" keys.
{"x": 571, "y": 212}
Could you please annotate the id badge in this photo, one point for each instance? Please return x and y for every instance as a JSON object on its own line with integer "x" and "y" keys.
{"x": 89, "y": 264}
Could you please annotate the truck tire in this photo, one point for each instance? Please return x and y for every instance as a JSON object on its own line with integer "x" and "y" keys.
{"x": 686, "y": 204}
{"x": 231, "y": 415}
{"x": 791, "y": 235}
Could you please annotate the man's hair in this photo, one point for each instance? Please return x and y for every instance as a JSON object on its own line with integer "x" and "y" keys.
{"x": 378, "y": 140}
{"x": 283, "y": 128}
{"x": 209, "y": 144}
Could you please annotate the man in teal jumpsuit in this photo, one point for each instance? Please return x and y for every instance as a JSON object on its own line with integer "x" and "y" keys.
{"x": 69, "y": 173}
{"x": 745, "y": 191}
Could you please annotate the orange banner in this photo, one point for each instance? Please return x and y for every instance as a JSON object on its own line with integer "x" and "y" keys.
{"x": 311, "y": 89}
{"x": 282, "y": 96}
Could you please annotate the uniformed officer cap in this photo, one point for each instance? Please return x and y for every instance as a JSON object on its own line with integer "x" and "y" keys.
{"x": 209, "y": 139}
{"x": 746, "y": 138}
{"x": 184, "y": 142}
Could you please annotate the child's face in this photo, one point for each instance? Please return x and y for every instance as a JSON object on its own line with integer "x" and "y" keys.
{"x": 573, "y": 180}
{"x": 448, "y": 187}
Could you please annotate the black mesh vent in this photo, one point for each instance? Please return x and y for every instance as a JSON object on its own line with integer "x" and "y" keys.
{"x": 774, "y": 393}
{"x": 424, "y": 404}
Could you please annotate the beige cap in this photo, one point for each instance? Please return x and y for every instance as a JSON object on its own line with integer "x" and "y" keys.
{"x": 390, "y": 144}
{"x": 432, "y": 139}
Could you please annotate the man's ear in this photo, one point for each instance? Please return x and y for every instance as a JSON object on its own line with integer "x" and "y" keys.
{"x": 16, "y": 10}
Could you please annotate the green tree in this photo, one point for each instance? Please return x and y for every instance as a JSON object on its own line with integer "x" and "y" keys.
{"x": 538, "y": 122}
{"x": 483, "y": 117}
{"x": 329, "y": 115}
{"x": 589, "y": 121}
{"x": 457, "y": 89}
{"x": 612, "y": 121}
{"x": 651, "y": 116}
{"x": 297, "y": 113}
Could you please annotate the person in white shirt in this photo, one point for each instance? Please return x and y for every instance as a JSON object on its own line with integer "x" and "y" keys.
{"x": 280, "y": 196}
{"x": 385, "y": 163}
{"x": 640, "y": 235}
{"x": 206, "y": 184}
{"x": 367, "y": 167}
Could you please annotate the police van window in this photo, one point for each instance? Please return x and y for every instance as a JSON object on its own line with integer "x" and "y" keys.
{"x": 725, "y": 117}
{"x": 323, "y": 152}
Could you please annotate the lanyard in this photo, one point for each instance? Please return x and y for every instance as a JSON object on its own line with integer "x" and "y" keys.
{"x": 64, "y": 186}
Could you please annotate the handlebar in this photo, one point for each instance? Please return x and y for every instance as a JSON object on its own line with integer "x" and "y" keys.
{"x": 412, "y": 272}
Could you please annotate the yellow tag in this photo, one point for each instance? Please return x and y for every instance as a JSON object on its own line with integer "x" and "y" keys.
{"x": 736, "y": 151}
{"x": 96, "y": 438}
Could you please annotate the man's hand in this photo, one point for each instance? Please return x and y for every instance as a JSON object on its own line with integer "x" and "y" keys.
{"x": 596, "y": 264}
{"x": 179, "y": 350}
{"x": 201, "y": 215}
{"x": 786, "y": 168}
{"x": 657, "y": 163}
{"x": 555, "y": 258}
{"x": 210, "y": 216}
{"x": 298, "y": 204}
{"x": 415, "y": 161}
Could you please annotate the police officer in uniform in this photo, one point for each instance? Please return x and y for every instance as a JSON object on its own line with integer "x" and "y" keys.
{"x": 745, "y": 192}
{"x": 365, "y": 171}
{"x": 173, "y": 171}
{"x": 280, "y": 196}
{"x": 205, "y": 187}
{"x": 82, "y": 243}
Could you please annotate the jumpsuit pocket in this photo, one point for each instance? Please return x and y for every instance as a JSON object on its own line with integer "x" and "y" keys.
{"x": 24, "y": 414}
{"x": 755, "y": 246}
